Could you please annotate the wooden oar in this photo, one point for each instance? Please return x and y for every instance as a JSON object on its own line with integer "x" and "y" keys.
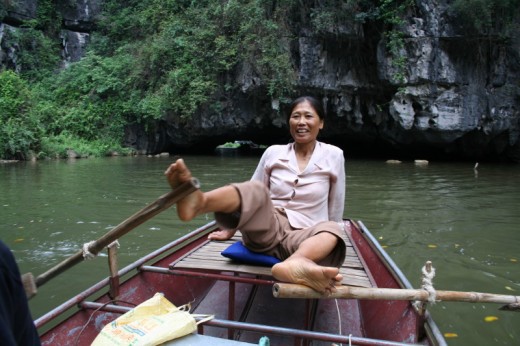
{"x": 162, "y": 203}
{"x": 285, "y": 290}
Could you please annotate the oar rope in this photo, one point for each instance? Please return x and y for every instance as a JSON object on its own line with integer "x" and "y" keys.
{"x": 340, "y": 332}
{"x": 427, "y": 282}
{"x": 428, "y": 273}
{"x": 89, "y": 255}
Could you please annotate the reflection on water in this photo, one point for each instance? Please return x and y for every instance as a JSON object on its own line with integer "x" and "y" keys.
{"x": 465, "y": 222}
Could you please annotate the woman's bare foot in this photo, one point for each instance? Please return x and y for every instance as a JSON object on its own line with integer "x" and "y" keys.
{"x": 223, "y": 234}
{"x": 303, "y": 271}
{"x": 188, "y": 207}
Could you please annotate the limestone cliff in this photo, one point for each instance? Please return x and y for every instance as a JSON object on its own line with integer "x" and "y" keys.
{"x": 457, "y": 96}
{"x": 78, "y": 18}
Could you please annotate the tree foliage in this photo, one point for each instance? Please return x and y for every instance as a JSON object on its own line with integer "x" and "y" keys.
{"x": 19, "y": 130}
{"x": 149, "y": 59}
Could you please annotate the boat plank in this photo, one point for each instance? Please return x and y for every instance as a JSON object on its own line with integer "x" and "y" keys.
{"x": 208, "y": 257}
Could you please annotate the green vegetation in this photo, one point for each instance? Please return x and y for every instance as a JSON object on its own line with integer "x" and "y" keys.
{"x": 232, "y": 145}
{"x": 389, "y": 15}
{"x": 59, "y": 146}
{"x": 148, "y": 59}
{"x": 392, "y": 13}
{"x": 20, "y": 131}
{"x": 488, "y": 17}
{"x": 156, "y": 59}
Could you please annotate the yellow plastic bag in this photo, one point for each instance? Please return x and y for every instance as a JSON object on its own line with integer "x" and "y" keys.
{"x": 152, "y": 322}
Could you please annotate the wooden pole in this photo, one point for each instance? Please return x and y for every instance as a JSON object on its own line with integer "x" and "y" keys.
{"x": 162, "y": 203}
{"x": 284, "y": 290}
{"x": 114, "y": 276}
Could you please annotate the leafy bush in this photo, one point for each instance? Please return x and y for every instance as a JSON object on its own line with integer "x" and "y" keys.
{"x": 149, "y": 59}
{"x": 19, "y": 130}
{"x": 36, "y": 54}
{"x": 89, "y": 100}
{"x": 232, "y": 145}
{"x": 330, "y": 15}
{"x": 59, "y": 146}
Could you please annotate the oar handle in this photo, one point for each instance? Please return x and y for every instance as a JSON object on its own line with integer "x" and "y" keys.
{"x": 162, "y": 203}
{"x": 285, "y": 290}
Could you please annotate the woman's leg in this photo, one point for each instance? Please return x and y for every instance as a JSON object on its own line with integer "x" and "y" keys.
{"x": 224, "y": 202}
{"x": 317, "y": 247}
{"x": 302, "y": 268}
{"x": 223, "y": 199}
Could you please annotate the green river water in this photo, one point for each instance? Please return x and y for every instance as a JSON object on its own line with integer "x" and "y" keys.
{"x": 465, "y": 221}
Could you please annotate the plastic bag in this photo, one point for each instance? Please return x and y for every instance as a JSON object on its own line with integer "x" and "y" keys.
{"x": 152, "y": 322}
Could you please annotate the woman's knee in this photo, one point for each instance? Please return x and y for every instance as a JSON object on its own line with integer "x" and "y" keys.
{"x": 253, "y": 193}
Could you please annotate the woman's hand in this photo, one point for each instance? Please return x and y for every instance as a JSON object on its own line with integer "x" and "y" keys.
{"x": 223, "y": 234}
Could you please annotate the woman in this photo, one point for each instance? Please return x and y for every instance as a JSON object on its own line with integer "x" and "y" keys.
{"x": 292, "y": 207}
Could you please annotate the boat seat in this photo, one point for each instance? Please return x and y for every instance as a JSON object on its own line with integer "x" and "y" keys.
{"x": 208, "y": 258}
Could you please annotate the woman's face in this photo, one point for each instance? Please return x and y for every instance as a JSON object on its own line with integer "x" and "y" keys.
{"x": 304, "y": 123}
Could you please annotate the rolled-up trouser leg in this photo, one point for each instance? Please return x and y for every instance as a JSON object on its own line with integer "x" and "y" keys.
{"x": 255, "y": 219}
{"x": 294, "y": 237}
{"x": 267, "y": 230}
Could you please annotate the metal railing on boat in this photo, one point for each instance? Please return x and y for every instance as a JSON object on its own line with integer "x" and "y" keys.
{"x": 215, "y": 276}
{"x": 266, "y": 329}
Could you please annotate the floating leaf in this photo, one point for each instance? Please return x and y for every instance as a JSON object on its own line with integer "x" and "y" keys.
{"x": 490, "y": 318}
{"x": 510, "y": 288}
{"x": 514, "y": 260}
{"x": 19, "y": 240}
{"x": 380, "y": 237}
{"x": 451, "y": 335}
{"x": 384, "y": 246}
{"x": 432, "y": 246}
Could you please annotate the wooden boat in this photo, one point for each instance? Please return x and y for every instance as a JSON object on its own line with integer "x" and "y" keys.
{"x": 190, "y": 269}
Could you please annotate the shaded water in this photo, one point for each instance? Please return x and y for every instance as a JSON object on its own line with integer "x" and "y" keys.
{"x": 465, "y": 222}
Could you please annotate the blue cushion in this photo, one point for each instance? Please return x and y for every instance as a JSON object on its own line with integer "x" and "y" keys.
{"x": 238, "y": 252}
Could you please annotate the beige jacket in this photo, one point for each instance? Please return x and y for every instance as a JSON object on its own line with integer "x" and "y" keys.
{"x": 314, "y": 195}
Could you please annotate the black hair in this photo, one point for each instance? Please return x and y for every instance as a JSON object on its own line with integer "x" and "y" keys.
{"x": 315, "y": 103}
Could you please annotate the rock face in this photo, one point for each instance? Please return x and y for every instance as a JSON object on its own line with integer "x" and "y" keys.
{"x": 79, "y": 15}
{"x": 74, "y": 45}
{"x": 460, "y": 96}
{"x": 79, "y": 18}
{"x": 454, "y": 96}
{"x": 18, "y": 11}
{"x": 457, "y": 98}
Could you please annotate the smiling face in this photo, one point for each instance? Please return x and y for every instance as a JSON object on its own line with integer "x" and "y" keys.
{"x": 304, "y": 123}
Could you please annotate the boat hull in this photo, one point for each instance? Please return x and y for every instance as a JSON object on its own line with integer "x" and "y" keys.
{"x": 244, "y": 306}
